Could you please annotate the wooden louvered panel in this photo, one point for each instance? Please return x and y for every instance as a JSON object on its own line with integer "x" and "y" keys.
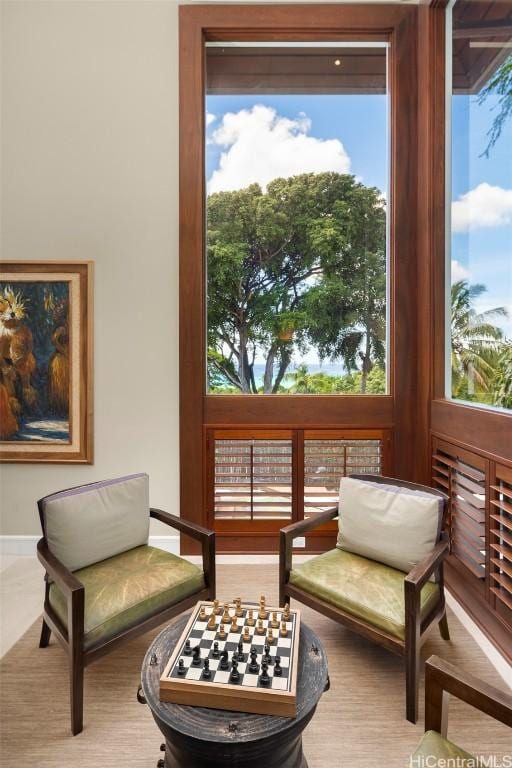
{"x": 502, "y": 566}
{"x": 462, "y": 475}
{"x": 253, "y": 479}
{"x": 500, "y": 544}
{"x": 502, "y": 534}
{"x": 454, "y": 463}
{"x": 327, "y": 460}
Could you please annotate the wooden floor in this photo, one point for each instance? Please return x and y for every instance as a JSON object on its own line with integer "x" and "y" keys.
{"x": 359, "y": 722}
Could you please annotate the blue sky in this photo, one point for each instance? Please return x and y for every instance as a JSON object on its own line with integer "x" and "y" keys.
{"x": 485, "y": 252}
{"x": 360, "y": 123}
{"x": 349, "y": 133}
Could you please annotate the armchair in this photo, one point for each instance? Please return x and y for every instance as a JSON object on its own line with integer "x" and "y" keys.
{"x": 348, "y": 588}
{"x": 104, "y": 584}
{"x": 441, "y": 680}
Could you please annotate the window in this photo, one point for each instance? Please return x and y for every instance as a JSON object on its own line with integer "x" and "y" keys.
{"x": 296, "y": 217}
{"x": 253, "y": 479}
{"x": 479, "y": 368}
{"x": 327, "y": 460}
{"x": 263, "y": 477}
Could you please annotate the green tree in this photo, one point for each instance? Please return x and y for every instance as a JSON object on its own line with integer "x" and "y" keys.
{"x": 500, "y": 85}
{"x": 357, "y": 293}
{"x": 476, "y": 340}
{"x": 503, "y": 379}
{"x": 293, "y": 267}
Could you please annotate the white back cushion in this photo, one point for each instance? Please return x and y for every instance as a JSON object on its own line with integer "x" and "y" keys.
{"x": 392, "y": 525}
{"x": 94, "y": 522}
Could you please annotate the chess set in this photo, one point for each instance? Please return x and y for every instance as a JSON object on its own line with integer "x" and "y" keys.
{"x": 237, "y": 657}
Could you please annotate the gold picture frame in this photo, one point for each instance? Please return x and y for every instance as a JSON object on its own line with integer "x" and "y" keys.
{"x": 46, "y": 363}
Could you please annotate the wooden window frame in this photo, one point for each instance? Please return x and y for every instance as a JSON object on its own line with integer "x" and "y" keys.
{"x": 395, "y": 411}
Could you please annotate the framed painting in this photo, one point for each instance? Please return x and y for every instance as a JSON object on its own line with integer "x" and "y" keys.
{"x": 46, "y": 384}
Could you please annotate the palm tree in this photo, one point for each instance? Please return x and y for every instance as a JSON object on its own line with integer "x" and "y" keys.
{"x": 503, "y": 381}
{"x": 476, "y": 341}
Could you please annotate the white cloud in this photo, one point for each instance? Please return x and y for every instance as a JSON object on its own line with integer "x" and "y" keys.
{"x": 210, "y": 118}
{"x": 458, "y": 271}
{"x": 483, "y": 206}
{"x": 260, "y": 145}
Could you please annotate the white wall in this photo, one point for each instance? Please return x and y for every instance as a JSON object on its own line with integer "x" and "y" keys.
{"x": 89, "y": 171}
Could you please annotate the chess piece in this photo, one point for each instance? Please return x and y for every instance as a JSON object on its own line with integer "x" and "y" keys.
{"x": 224, "y": 661}
{"x": 260, "y": 629}
{"x": 196, "y": 657}
{"x": 283, "y": 631}
{"x": 182, "y": 670}
{"x": 188, "y": 649}
{"x": 202, "y": 614}
{"x": 238, "y": 607}
{"x": 262, "y": 613}
{"x": 240, "y": 656}
{"x": 267, "y": 658}
{"x": 274, "y": 623}
{"x": 264, "y": 677}
{"x": 212, "y": 624}
{"x": 216, "y": 608}
{"x": 254, "y": 667}
{"x": 270, "y": 637}
{"x": 278, "y": 670}
{"x": 215, "y": 652}
{"x": 222, "y": 632}
{"x": 286, "y": 612}
{"x": 246, "y": 636}
{"x": 235, "y": 674}
{"x": 206, "y": 670}
{"x": 234, "y": 624}
{"x": 250, "y": 618}
{"x": 226, "y": 618}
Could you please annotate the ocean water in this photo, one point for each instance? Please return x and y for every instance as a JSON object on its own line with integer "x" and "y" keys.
{"x": 330, "y": 369}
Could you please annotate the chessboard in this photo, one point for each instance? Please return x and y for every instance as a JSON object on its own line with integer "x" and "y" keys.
{"x": 242, "y": 658}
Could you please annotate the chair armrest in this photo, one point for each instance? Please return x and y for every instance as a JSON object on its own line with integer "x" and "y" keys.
{"x": 422, "y": 572}
{"x": 296, "y": 529}
{"x": 66, "y": 581}
{"x": 288, "y": 534}
{"x": 442, "y": 678}
{"x": 185, "y": 526}
{"x": 204, "y": 535}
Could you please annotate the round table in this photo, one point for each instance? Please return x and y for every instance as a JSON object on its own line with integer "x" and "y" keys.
{"x": 196, "y": 737}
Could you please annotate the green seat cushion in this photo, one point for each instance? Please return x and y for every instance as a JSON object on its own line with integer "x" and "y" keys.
{"x": 433, "y": 744}
{"x": 126, "y": 589}
{"x": 364, "y": 588}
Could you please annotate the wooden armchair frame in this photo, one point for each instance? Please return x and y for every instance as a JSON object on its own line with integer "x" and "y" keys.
{"x": 415, "y": 627}
{"x": 443, "y": 679}
{"x": 72, "y": 637}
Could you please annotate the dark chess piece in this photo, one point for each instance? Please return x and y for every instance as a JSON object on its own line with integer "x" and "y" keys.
{"x": 188, "y": 649}
{"x": 196, "y": 658}
{"x": 235, "y": 674}
{"x": 181, "y": 667}
{"x": 278, "y": 670}
{"x": 264, "y": 677}
{"x": 267, "y": 658}
{"x": 206, "y": 670}
{"x": 224, "y": 663}
{"x": 240, "y": 656}
{"x": 215, "y": 652}
{"x": 254, "y": 667}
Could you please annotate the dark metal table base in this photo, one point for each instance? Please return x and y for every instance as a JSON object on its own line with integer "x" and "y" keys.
{"x": 197, "y": 737}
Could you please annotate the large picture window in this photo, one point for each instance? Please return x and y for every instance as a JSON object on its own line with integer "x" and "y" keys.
{"x": 479, "y": 367}
{"x": 297, "y": 189}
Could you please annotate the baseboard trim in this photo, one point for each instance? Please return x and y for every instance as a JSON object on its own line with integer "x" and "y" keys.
{"x": 20, "y": 546}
